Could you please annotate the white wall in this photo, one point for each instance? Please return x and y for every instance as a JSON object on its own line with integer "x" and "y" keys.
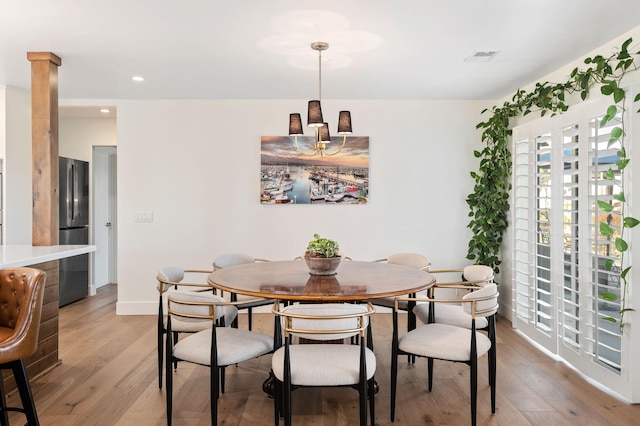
{"x": 78, "y": 136}
{"x": 196, "y": 165}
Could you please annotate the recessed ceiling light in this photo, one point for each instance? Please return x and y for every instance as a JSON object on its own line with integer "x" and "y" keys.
{"x": 481, "y": 56}
{"x": 105, "y": 110}
{"x": 137, "y": 78}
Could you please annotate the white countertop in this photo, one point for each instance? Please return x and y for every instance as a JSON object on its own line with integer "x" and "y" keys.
{"x": 24, "y": 255}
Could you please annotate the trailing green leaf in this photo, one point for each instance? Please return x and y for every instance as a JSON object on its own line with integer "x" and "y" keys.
{"x": 604, "y": 206}
{"x": 609, "y": 297}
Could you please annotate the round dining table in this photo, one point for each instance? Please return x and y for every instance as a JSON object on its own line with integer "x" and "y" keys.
{"x": 290, "y": 280}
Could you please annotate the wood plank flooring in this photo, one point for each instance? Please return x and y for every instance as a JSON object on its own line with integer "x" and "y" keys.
{"x": 108, "y": 377}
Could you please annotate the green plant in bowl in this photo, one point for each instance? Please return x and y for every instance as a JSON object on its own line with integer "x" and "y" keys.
{"x": 322, "y": 247}
{"x": 322, "y": 256}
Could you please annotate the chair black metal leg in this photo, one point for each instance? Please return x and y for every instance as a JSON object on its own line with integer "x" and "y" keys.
{"x": 287, "y": 404}
{"x": 474, "y": 388}
{"x": 222, "y": 381}
{"x": 20, "y": 375}
{"x": 394, "y": 366}
{"x": 363, "y": 402}
{"x": 411, "y": 324}
{"x": 4, "y": 416}
{"x": 169, "y": 380}
{"x": 175, "y": 339}
{"x": 161, "y": 333}
{"x": 250, "y": 317}
{"x": 214, "y": 390}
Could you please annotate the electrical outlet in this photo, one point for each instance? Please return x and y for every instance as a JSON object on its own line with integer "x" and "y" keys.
{"x": 143, "y": 216}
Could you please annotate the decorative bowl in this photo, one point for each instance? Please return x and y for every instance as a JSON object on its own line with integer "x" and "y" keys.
{"x": 323, "y": 265}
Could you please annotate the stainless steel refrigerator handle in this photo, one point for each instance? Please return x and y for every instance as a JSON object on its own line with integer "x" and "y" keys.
{"x": 73, "y": 191}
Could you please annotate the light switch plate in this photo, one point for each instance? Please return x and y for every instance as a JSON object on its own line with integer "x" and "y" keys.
{"x": 143, "y": 216}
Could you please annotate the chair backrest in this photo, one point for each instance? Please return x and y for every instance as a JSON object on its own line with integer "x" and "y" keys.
{"x": 413, "y": 260}
{"x": 325, "y": 321}
{"x": 21, "y": 295}
{"x": 168, "y": 275}
{"x": 232, "y": 259}
{"x": 193, "y": 306}
{"x": 486, "y": 301}
{"x": 480, "y": 274}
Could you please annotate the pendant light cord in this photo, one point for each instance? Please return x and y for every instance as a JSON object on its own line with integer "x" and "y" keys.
{"x": 320, "y": 75}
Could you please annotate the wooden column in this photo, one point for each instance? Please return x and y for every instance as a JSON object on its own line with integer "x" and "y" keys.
{"x": 44, "y": 128}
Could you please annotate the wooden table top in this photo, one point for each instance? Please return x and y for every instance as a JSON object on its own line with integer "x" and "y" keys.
{"x": 290, "y": 280}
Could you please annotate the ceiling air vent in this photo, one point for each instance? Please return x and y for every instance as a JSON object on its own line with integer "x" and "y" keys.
{"x": 481, "y": 56}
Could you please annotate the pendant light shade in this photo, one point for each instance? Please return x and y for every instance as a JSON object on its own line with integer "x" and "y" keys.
{"x": 344, "y": 123}
{"x": 323, "y": 134}
{"x": 314, "y": 114}
{"x": 295, "y": 124}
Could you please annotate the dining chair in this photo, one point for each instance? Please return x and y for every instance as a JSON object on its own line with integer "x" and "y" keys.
{"x": 450, "y": 342}
{"x": 454, "y": 314}
{"x": 173, "y": 277}
{"x": 245, "y": 302}
{"x": 21, "y": 296}
{"x": 329, "y": 364}
{"x": 215, "y": 347}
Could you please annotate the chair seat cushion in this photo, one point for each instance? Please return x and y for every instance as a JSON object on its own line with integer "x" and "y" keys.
{"x": 233, "y": 345}
{"x": 323, "y": 364}
{"x": 443, "y": 341}
{"x": 448, "y": 313}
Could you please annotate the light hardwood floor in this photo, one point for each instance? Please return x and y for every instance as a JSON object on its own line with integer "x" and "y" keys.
{"x": 108, "y": 377}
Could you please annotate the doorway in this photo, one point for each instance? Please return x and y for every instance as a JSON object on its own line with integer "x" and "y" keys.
{"x": 104, "y": 161}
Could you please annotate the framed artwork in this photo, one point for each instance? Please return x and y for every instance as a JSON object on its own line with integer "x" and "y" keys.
{"x": 300, "y": 176}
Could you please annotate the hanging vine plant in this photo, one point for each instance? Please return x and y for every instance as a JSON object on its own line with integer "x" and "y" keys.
{"x": 489, "y": 202}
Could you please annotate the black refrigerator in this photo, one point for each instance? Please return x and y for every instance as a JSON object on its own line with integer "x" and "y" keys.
{"x": 74, "y": 228}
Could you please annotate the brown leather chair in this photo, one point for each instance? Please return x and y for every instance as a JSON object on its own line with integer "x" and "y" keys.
{"x": 21, "y": 294}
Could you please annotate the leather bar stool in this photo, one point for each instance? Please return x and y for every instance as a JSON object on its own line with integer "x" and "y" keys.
{"x": 21, "y": 294}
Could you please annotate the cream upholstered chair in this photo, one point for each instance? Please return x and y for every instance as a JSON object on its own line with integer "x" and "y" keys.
{"x": 216, "y": 347}
{"x": 246, "y": 302}
{"x": 173, "y": 277}
{"x": 328, "y": 364}
{"x": 21, "y": 295}
{"x": 450, "y": 342}
{"x": 454, "y": 314}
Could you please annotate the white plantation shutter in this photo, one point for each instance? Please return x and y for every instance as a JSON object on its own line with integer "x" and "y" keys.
{"x": 570, "y": 309}
{"x": 522, "y": 239}
{"x": 604, "y": 335}
{"x": 559, "y": 254}
{"x": 543, "y": 302}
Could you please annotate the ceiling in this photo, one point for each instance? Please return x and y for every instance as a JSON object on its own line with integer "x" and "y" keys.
{"x": 256, "y": 49}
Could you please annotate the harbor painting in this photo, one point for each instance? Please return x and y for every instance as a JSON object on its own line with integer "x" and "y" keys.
{"x": 289, "y": 176}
